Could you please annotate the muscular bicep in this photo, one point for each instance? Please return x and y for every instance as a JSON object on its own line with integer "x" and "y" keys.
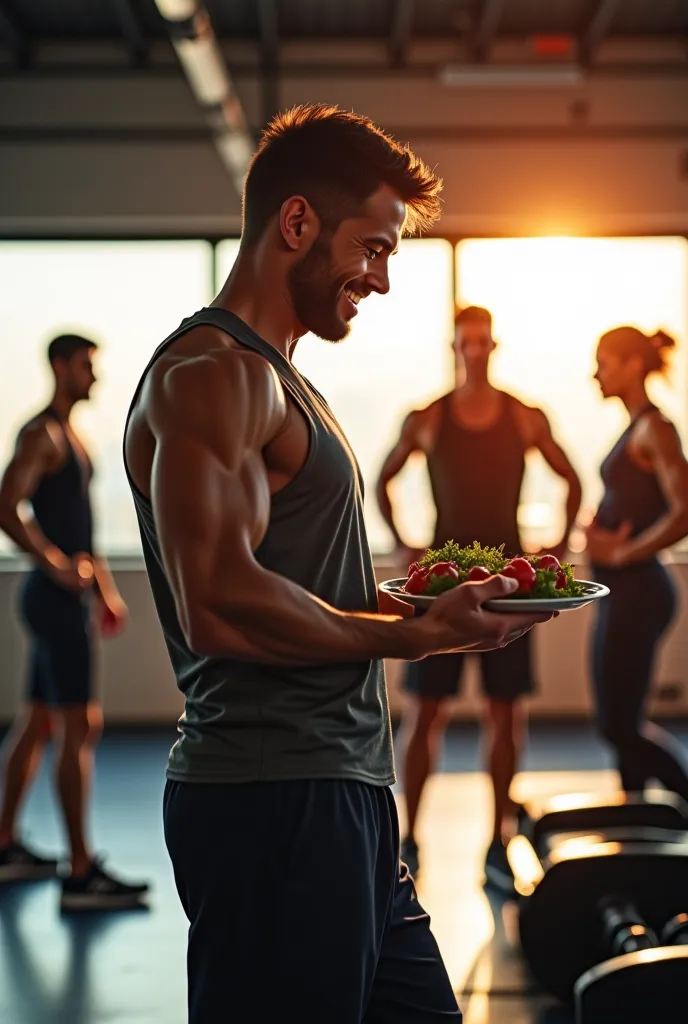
{"x": 29, "y": 463}
{"x": 210, "y": 515}
{"x": 550, "y": 449}
{"x": 209, "y": 485}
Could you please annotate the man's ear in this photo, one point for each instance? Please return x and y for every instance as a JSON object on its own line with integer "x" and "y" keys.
{"x": 299, "y": 223}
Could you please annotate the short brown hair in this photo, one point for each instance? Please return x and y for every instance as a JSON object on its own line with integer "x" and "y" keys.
{"x": 336, "y": 160}
{"x": 653, "y": 348}
{"x": 462, "y": 316}
{"x": 67, "y": 345}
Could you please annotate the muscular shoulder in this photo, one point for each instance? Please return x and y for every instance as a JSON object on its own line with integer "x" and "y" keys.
{"x": 420, "y": 426}
{"x": 532, "y": 421}
{"x": 209, "y": 384}
{"x": 40, "y": 438}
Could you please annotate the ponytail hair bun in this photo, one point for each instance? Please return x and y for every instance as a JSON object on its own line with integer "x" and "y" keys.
{"x": 661, "y": 340}
{"x": 653, "y": 349}
{"x": 661, "y": 344}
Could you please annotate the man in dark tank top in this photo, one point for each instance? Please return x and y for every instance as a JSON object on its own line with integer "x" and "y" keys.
{"x": 475, "y": 440}
{"x": 279, "y": 816}
{"x": 51, "y": 471}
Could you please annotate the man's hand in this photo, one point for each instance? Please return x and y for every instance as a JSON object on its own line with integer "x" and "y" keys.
{"x": 113, "y": 616}
{"x": 457, "y": 620}
{"x": 75, "y": 574}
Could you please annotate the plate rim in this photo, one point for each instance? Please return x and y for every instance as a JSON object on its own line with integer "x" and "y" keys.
{"x": 504, "y": 603}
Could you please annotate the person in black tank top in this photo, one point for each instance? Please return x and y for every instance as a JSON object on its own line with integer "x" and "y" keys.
{"x": 51, "y": 470}
{"x": 475, "y": 441}
{"x": 279, "y": 817}
{"x": 644, "y": 509}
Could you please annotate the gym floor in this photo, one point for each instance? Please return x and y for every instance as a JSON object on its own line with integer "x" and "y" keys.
{"x": 129, "y": 968}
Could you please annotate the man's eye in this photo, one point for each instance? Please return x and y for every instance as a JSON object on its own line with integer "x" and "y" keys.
{"x": 372, "y": 254}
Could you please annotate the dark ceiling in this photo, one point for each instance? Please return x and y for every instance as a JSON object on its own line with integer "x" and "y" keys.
{"x": 26, "y": 23}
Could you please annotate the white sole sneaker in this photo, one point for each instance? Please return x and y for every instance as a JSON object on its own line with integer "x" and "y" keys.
{"x": 100, "y": 901}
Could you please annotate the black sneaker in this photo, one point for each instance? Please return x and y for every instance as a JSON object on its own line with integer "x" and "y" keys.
{"x": 97, "y": 890}
{"x": 498, "y": 871}
{"x": 20, "y": 864}
{"x": 408, "y": 855}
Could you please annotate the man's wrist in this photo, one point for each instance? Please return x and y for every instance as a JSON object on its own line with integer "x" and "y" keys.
{"x": 416, "y": 638}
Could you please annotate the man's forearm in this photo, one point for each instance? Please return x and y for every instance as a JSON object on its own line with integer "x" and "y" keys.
{"x": 385, "y": 506}
{"x": 280, "y": 623}
{"x": 28, "y": 536}
{"x": 573, "y": 504}
{"x": 104, "y": 581}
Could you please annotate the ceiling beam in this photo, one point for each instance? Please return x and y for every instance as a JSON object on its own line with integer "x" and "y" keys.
{"x": 596, "y": 28}
{"x": 269, "y": 27}
{"x": 14, "y": 35}
{"x": 269, "y": 57}
{"x": 205, "y": 67}
{"x": 400, "y": 36}
{"x": 147, "y": 135}
{"x": 488, "y": 23}
{"x": 132, "y": 29}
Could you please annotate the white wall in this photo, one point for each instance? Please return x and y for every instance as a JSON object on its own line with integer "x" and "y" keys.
{"x": 137, "y": 685}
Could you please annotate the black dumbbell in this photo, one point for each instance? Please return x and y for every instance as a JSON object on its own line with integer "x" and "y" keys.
{"x": 603, "y": 991}
{"x": 566, "y": 922}
{"x": 625, "y": 931}
{"x": 588, "y": 813}
{"x": 675, "y": 932}
{"x": 642, "y": 981}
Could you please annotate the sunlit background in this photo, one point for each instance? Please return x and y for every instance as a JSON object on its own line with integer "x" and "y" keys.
{"x": 551, "y": 299}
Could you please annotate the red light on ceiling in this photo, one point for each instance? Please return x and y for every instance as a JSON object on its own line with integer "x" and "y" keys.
{"x": 552, "y": 46}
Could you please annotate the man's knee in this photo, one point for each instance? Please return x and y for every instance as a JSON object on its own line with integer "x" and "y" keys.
{"x": 505, "y": 718}
{"x": 82, "y": 725}
{"x": 95, "y": 724}
{"x": 33, "y": 724}
{"x": 39, "y": 721}
{"x": 429, "y": 715}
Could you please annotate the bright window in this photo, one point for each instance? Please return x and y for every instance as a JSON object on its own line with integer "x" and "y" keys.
{"x": 127, "y": 296}
{"x": 396, "y": 358}
{"x": 551, "y": 298}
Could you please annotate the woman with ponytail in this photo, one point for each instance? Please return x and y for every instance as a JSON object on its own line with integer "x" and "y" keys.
{"x": 644, "y": 509}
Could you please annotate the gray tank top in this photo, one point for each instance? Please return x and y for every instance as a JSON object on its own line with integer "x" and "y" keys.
{"x": 243, "y": 721}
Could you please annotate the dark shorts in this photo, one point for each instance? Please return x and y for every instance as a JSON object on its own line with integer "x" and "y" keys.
{"x": 298, "y": 907}
{"x": 60, "y": 650}
{"x": 506, "y": 673}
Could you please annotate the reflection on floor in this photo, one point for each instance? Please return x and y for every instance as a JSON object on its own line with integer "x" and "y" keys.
{"x": 129, "y": 968}
{"x": 99, "y": 969}
{"x": 477, "y": 933}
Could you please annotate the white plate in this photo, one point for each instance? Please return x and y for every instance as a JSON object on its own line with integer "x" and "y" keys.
{"x": 591, "y": 592}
